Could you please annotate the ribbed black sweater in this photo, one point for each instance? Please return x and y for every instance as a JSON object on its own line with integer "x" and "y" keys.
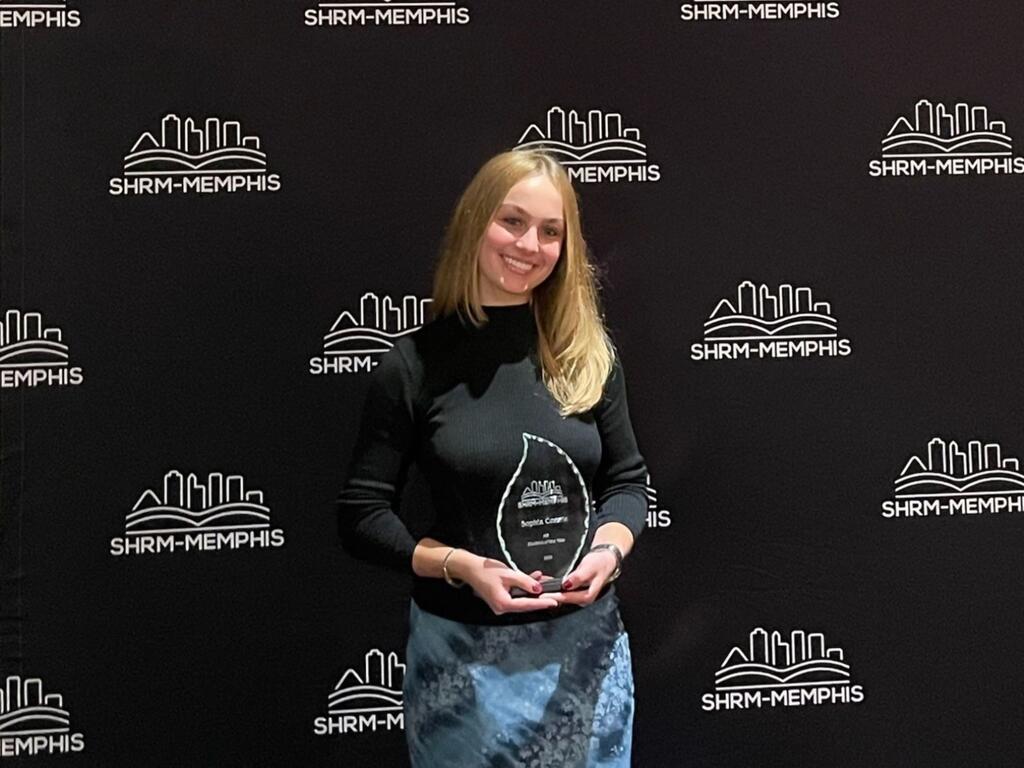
{"x": 459, "y": 401}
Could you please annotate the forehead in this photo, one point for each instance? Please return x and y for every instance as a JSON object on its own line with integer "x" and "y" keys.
{"x": 537, "y": 196}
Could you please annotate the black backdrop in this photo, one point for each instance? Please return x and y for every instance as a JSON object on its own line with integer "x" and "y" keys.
{"x": 193, "y": 318}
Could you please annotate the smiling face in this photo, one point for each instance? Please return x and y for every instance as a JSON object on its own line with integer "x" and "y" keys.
{"x": 522, "y": 244}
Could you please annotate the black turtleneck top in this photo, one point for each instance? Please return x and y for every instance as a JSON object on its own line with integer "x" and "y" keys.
{"x": 466, "y": 404}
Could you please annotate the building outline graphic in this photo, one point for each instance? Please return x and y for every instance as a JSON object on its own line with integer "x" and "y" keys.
{"x": 194, "y": 148}
{"x": 26, "y": 711}
{"x": 542, "y": 493}
{"x": 379, "y": 689}
{"x": 574, "y": 141}
{"x": 947, "y": 471}
{"x": 380, "y": 324}
{"x": 933, "y": 131}
{"x": 758, "y": 315}
{"x": 770, "y": 662}
{"x": 25, "y": 342}
{"x": 198, "y": 506}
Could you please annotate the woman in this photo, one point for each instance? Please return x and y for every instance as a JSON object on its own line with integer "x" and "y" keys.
{"x": 513, "y": 404}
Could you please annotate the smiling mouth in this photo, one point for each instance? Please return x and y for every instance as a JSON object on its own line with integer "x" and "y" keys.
{"x": 517, "y": 266}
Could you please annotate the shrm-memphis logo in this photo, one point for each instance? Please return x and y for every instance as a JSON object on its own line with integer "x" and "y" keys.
{"x": 33, "y": 722}
{"x": 656, "y": 517}
{"x": 33, "y": 354}
{"x": 594, "y": 146}
{"x": 963, "y": 140}
{"x": 756, "y": 10}
{"x": 773, "y": 671}
{"x": 385, "y": 13}
{"x": 188, "y": 514}
{"x": 370, "y": 700}
{"x": 949, "y": 480}
{"x": 758, "y": 323}
{"x": 37, "y": 13}
{"x": 356, "y": 340}
{"x": 195, "y": 155}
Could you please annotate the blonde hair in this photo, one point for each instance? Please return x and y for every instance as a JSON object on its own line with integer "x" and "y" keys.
{"x": 575, "y": 353}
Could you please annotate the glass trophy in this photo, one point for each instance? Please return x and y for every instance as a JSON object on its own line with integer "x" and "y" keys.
{"x": 544, "y": 513}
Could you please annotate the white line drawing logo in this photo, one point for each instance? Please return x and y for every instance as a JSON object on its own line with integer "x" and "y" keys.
{"x": 772, "y": 667}
{"x": 354, "y": 343}
{"x": 38, "y": 13}
{"x": 948, "y": 480}
{"x": 542, "y": 493}
{"x": 938, "y": 140}
{"x": 757, "y": 10}
{"x": 195, "y": 155}
{"x": 771, "y": 662}
{"x": 385, "y": 13}
{"x": 189, "y": 513}
{"x": 598, "y": 148}
{"x": 933, "y": 131}
{"x": 32, "y": 353}
{"x": 761, "y": 323}
{"x": 371, "y": 700}
{"x": 33, "y": 722}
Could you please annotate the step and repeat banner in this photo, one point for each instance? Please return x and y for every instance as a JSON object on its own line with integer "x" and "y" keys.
{"x": 217, "y": 216}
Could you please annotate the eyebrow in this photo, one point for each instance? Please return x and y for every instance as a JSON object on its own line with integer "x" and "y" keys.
{"x": 526, "y": 212}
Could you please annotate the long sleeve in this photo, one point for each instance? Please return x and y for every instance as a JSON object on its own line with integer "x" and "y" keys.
{"x": 368, "y": 524}
{"x": 622, "y": 475}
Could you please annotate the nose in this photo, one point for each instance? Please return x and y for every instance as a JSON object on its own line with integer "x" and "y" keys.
{"x": 529, "y": 241}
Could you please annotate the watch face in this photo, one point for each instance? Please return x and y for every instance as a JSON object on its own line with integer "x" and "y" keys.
{"x": 544, "y": 513}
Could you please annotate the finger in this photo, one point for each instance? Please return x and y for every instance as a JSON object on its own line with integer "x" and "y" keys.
{"x": 581, "y": 597}
{"x": 537, "y": 575}
{"x": 523, "y": 581}
{"x": 582, "y": 575}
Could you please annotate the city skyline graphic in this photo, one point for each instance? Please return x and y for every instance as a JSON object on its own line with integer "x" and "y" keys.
{"x": 380, "y": 323}
{"x": 599, "y": 139}
{"x": 188, "y": 505}
{"x": 756, "y": 314}
{"x": 769, "y": 661}
{"x": 26, "y": 711}
{"x": 980, "y": 469}
{"x": 195, "y": 147}
{"x": 934, "y": 131}
{"x": 377, "y": 689}
{"x": 542, "y": 493}
{"x": 26, "y": 342}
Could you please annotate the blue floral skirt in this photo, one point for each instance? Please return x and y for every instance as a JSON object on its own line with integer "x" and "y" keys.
{"x": 549, "y": 693}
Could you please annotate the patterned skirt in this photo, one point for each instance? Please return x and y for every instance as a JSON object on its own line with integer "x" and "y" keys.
{"x": 548, "y": 693}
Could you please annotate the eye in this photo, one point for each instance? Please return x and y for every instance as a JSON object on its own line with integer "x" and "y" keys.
{"x": 553, "y": 232}
{"x": 513, "y": 220}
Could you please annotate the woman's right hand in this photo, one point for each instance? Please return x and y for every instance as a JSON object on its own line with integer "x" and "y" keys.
{"x": 492, "y": 579}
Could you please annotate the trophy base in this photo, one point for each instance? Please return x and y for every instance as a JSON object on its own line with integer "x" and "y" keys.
{"x": 546, "y": 587}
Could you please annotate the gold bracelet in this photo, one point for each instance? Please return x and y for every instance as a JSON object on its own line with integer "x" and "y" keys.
{"x": 444, "y": 569}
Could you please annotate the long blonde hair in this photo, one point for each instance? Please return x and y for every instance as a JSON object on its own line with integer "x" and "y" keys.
{"x": 575, "y": 353}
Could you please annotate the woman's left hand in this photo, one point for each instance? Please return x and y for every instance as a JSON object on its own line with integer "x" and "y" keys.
{"x": 593, "y": 572}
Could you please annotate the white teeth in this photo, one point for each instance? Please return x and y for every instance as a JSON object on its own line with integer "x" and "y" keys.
{"x": 519, "y": 266}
